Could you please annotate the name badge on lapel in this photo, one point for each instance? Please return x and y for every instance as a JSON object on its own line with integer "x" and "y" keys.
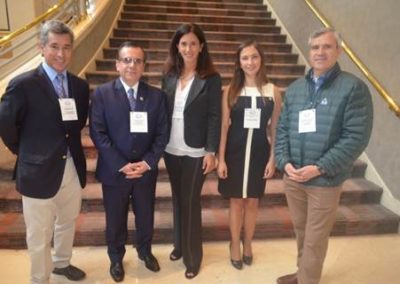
{"x": 68, "y": 109}
{"x": 138, "y": 122}
{"x": 307, "y": 121}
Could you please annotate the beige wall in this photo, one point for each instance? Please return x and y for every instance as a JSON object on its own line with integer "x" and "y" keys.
{"x": 372, "y": 29}
{"x": 20, "y": 12}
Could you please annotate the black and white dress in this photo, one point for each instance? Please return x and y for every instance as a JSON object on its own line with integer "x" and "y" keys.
{"x": 247, "y": 149}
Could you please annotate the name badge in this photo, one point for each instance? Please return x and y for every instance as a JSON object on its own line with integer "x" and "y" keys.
{"x": 178, "y": 108}
{"x": 138, "y": 122}
{"x": 252, "y": 118}
{"x": 307, "y": 121}
{"x": 68, "y": 109}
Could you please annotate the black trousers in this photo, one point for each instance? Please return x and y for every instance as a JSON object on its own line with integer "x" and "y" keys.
{"x": 187, "y": 178}
{"x": 141, "y": 195}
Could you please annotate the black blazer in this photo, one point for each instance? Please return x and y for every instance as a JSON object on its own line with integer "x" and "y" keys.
{"x": 202, "y": 113}
{"x": 32, "y": 128}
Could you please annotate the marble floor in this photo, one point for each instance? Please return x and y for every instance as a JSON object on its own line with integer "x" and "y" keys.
{"x": 350, "y": 260}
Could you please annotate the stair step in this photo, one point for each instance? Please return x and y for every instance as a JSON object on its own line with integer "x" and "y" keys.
{"x": 272, "y": 222}
{"x": 216, "y": 45}
{"x": 154, "y": 78}
{"x": 200, "y": 4}
{"x": 123, "y": 34}
{"x": 192, "y": 10}
{"x": 355, "y": 191}
{"x": 187, "y": 18}
{"x": 222, "y": 67}
{"x": 206, "y": 27}
{"x": 227, "y": 56}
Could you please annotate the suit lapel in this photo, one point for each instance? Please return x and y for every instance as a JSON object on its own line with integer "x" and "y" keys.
{"x": 71, "y": 87}
{"x": 170, "y": 88}
{"x": 120, "y": 95}
{"x": 141, "y": 97}
{"x": 46, "y": 85}
{"x": 195, "y": 90}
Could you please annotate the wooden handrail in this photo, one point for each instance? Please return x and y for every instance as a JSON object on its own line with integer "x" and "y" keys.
{"x": 371, "y": 78}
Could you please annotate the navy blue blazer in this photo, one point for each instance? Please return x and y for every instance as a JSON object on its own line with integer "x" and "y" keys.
{"x": 202, "y": 112}
{"x": 32, "y": 128}
{"x": 110, "y": 130}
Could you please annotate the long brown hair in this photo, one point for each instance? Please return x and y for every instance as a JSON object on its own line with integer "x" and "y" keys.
{"x": 238, "y": 79}
{"x": 174, "y": 63}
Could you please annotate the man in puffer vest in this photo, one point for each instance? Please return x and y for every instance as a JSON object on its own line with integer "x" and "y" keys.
{"x": 324, "y": 126}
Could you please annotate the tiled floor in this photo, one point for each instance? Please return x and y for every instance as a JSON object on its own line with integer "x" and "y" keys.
{"x": 350, "y": 260}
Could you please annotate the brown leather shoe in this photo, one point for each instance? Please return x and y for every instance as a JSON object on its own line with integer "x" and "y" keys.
{"x": 287, "y": 279}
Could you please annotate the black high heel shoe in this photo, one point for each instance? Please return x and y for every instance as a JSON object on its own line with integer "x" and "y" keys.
{"x": 175, "y": 254}
{"x": 238, "y": 264}
{"x": 247, "y": 259}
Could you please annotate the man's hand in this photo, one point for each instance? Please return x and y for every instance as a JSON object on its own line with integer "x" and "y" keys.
{"x": 303, "y": 174}
{"x": 134, "y": 170}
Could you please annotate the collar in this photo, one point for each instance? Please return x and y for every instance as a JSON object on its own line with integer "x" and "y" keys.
{"x": 327, "y": 76}
{"x": 127, "y": 87}
{"x": 50, "y": 72}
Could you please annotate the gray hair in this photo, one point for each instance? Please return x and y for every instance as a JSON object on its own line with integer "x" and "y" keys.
{"x": 56, "y": 27}
{"x": 323, "y": 31}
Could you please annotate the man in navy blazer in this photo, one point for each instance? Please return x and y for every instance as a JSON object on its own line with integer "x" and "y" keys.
{"x": 129, "y": 127}
{"x": 41, "y": 115}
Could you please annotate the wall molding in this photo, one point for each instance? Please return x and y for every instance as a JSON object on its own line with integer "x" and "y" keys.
{"x": 4, "y": 16}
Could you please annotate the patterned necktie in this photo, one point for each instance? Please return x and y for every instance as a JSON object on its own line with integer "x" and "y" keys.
{"x": 132, "y": 100}
{"x": 60, "y": 86}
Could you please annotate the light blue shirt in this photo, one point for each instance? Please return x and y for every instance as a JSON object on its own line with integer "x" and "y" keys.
{"x": 52, "y": 74}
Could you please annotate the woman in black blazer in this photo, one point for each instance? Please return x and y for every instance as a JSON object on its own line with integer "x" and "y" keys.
{"x": 194, "y": 103}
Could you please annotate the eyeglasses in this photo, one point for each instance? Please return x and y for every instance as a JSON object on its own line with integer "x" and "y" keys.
{"x": 129, "y": 60}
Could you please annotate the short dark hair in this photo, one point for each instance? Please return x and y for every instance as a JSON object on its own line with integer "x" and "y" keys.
{"x": 174, "y": 63}
{"x": 130, "y": 44}
{"x": 56, "y": 27}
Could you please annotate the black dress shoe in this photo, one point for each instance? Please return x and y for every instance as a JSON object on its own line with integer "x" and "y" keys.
{"x": 150, "y": 262}
{"x": 71, "y": 272}
{"x": 117, "y": 271}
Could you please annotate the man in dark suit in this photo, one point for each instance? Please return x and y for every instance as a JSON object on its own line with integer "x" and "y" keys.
{"x": 41, "y": 115}
{"x": 129, "y": 126}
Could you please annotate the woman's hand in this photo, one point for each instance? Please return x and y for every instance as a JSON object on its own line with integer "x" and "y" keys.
{"x": 208, "y": 163}
{"x": 222, "y": 170}
{"x": 269, "y": 169}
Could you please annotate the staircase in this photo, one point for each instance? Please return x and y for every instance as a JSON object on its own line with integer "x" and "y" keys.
{"x": 151, "y": 24}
